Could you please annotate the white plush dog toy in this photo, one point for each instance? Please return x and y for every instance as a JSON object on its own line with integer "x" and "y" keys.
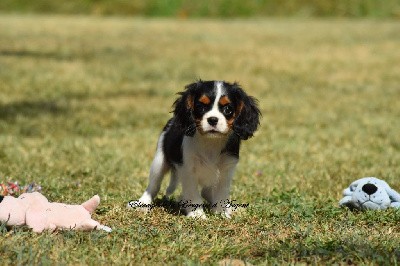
{"x": 370, "y": 193}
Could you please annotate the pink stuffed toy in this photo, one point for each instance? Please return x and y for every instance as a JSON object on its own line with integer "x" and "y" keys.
{"x": 34, "y": 210}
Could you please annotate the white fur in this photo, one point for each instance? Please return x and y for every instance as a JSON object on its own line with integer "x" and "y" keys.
{"x": 204, "y": 170}
{"x": 222, "y": 125}
{"x": 204, "y": 173}
{"x": 158, "y": 169}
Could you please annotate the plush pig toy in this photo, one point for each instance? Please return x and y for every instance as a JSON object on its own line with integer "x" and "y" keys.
{"x": 34, "y": 210}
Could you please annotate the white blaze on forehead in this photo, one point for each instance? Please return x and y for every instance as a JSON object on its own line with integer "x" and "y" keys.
{"x": 221, "y": 125}
{"x": 219, "y": 92}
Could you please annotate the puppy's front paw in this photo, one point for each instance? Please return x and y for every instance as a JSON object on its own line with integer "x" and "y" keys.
{"x": 142, "y": 204}
{"x": 227, "y": 213}
{"x": 224, "y": 212}
{"x": 198, "y": 214}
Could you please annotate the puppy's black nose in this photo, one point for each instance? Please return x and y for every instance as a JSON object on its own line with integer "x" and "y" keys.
{"x": 212, "y": 120}
{"x": 369, "y": 188}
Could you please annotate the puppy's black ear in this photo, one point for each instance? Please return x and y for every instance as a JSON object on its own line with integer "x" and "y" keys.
{"x": 248, "y": 117}
{"x": 183, "y": 107}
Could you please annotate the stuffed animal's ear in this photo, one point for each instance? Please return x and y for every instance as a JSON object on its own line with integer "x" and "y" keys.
{"x": 354, "y": 185}
{"x": 183, "y": 107}
{"x": 346, "y": 201}
{"x": 91, "y": 204}
{"x": 395, "y": 205}
{"x": 349, "y": 191}
{"x": 393, "y": 195}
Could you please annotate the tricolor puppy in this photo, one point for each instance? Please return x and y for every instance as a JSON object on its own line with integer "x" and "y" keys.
{"x": 200, "y": 145}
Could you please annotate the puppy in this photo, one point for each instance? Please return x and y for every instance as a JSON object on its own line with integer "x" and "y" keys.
{"x": 200, "y": 145}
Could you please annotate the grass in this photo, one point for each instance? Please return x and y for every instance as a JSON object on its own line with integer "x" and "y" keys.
{"x": 83, "y": 99}
{"x": 211, "y": 8}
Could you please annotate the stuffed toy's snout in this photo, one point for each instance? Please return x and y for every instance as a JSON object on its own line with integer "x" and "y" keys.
{"x": 370, "y": 193}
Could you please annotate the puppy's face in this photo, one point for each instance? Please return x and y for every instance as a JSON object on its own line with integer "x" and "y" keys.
{"x": 216, "y": 108}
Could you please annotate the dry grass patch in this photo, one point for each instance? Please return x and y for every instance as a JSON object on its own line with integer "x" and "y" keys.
{"x": 83, "y": 99}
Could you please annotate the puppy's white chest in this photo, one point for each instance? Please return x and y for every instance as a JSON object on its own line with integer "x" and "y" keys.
{"x": 202, "y": 159}
{"x": 206, "y": 169}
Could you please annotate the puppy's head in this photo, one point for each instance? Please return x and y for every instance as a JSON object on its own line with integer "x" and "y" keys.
{"x": 216, "y": 108}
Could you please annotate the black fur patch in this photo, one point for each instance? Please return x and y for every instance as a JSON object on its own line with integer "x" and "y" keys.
{"x": 188, "y": 108}
{"x": 232, "y": 146}
{"x": 172, "y": 145}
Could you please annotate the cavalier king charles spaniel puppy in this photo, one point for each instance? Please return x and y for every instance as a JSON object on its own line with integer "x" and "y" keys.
{"x": 200, "y": 145}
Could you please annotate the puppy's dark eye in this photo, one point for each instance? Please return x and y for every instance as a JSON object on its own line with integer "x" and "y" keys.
{"x": 227, "y": 110}
{"x": 200, "y": 107}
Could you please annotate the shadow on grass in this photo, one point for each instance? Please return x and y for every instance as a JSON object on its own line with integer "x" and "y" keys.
{"x": 36, "y": 54}
{"x": 169, "y": 205}
{"x": 345, "y": 250}
{"x": 48, "y": 55}
{"x": 10, "y": 111}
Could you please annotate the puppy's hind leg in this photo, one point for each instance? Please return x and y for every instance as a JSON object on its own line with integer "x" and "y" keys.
{"x": 159, "y": 167}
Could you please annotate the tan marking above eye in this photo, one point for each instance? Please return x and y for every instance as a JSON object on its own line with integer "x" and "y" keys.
{"x": 204, "y": 99}
{"x": 224, "y": 100}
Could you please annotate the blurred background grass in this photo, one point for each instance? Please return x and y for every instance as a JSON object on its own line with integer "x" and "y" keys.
{"x": 83, "y": 99}
{"x": 210, "y": 8}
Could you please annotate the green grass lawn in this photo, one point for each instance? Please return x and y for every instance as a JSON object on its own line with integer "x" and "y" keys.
{"x": 83, "y": 100}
